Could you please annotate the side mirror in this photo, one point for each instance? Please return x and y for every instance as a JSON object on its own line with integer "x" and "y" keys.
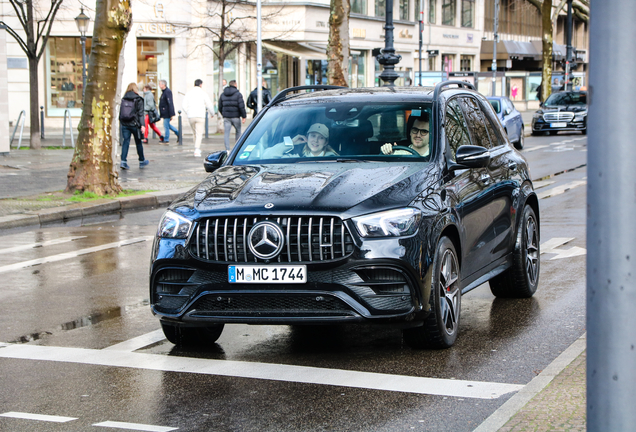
{"x": 470, "y": 156}
{"x": 508, "y": 111}
{"x": 541, "y": 104}
{"x": 214, "y": 160}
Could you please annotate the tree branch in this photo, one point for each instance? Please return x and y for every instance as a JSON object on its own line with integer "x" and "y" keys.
{"x": 55, "y": 6}
{"x": 20, "y": 13}
{"x": 16, "y": 37}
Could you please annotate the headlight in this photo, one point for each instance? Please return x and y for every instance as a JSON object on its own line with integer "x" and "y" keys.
{"x": 392, "y": 223}
{"x": 173, "y": 225}
{"x": 580, "y": 116}
{"x": 537, "y": 115}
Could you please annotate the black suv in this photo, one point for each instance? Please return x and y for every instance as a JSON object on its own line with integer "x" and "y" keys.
{"x": 375, "y": 205}
{"x": 562, "y": 111}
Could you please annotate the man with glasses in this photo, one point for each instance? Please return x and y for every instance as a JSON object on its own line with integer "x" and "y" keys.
{"x": 418, "y": 137}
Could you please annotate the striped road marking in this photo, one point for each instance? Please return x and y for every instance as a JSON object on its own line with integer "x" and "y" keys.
{"x": 264, "y": 371}
{"x": 67, "y": 255}
{"x": 40, "y": 417}
{"x": 40, "y": 244}
{"x": 135, "y": 426}
{"x": 139, "y": 342}
{"x": 558, "y": 190}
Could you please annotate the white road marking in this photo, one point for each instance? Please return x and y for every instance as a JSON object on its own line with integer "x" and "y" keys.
{"x": 67, "y": 255}
{"x": 558, "y": 190}
{"x": 264, "y": 371}
{"x": 542, "y": 183}
{"x": 539, "y": 147}
{"x": 40, "y": 244}
{"x": 550, "y": 247}
{"x": 139, "y": 342}
{"x": 135, "y": 426}
{"x": 40, "y": 417}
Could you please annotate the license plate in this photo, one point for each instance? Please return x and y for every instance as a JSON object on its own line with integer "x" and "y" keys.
{"x": 558, "y": 125}
{"x": 288, "y": 274}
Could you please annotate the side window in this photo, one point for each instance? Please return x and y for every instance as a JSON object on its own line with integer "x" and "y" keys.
{"x": 495, "y": 136}
{"x": 455, "y": 127}
{"x": 476, "y": 121}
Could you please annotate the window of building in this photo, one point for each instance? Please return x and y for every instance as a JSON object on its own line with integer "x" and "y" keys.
{"x": 466, "y": 63}
{"x": 380, "y": 8}
{"x": 515, "y": 17}
{"x": 431, "y": 11}
{"x": 448, "y": 12}
{"x": 404, "y": 9}
{"x": 468, "y": 13}
{"x": 359, "y": 6}
{"x": 230, "y": 70}
{"x": 153, "y": 63}
{"x": 64, "y": 75}
{"x": 357, "y": 76}
{"x": 431, "y": 63}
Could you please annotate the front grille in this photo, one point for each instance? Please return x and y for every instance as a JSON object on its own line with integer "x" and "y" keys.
{"x": 558, "y": 117}
{"x": 264, "y": 305}
{"x": 307, "y": 239}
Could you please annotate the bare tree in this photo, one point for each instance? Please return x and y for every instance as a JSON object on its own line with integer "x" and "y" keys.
{"x": 37, "y": 28}
{"x": 338, "y": 47}
{"x": 92, "y": 166}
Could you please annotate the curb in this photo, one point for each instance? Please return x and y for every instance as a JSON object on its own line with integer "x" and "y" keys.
{"x": 80, "y": 210}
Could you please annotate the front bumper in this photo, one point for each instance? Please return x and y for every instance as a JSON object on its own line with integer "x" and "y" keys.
{"x": 540, "y": 125}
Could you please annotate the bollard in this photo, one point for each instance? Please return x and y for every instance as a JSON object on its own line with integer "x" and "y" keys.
{"x": 206, "y": 123}
{"x": 42, "y": 122}
{"x": 180, "y": 130}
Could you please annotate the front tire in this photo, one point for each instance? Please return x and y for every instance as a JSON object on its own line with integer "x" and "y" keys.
{"x": 188, "y": 336}
{"x": 521, "y": 280}
{"x": 442, "y": 325}
{"x": 519, "y": 144}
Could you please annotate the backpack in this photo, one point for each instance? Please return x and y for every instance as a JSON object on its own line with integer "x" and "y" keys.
{"x": 127, "y": 111}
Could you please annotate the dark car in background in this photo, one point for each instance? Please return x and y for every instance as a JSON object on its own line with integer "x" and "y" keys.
{"x": 562, "y": 111}
{"x": 412, "y": 198}
{"x": 510, "y": 119}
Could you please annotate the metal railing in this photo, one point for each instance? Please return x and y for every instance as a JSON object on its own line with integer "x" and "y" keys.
{"x": 67, "y": 113}
{"x": 22, "y": 113}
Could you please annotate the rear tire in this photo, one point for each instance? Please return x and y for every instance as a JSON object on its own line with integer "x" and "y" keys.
{"x": 521, "y": 280}
{"x": 188, "y": 336}
{"x": 441, "y": 327}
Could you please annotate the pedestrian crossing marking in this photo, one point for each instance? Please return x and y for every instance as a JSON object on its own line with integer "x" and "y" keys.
{"x": 38, "y": 417}
{"x": 550, "y": 247}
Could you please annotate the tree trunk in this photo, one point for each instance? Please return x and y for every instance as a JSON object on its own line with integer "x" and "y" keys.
{"x": 338, "y": 47}
{"x": 34, "y": 110}
{"x": 92, "y": 165}
{"x": 546, "y": 84}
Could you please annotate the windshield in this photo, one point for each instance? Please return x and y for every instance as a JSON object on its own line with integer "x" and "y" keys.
{"x": 567, "y": 98}
{"x": 339, "y": 131}
{"x": 495, "y": 105}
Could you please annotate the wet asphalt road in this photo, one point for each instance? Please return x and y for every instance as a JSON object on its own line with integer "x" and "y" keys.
{"x": 71, "y": 316}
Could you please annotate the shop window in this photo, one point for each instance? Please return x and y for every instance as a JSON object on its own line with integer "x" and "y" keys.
{"x": 357, "y": 76}
{"x": 153, "y": 63}
{"x": 404, "y": 9}
{"x": 316, "y": 72}
{"x": 466, "y": 63}
{"x": 230, "y": 70}
{"x": 276, "y": 70}
{"x": 468, "y": 13}
{"x": 64, "y": 75}
{"x": 431, "y": 11}
{"x": 431, "y": 63}
{"x": 359, "y": 7}
{"x": 448, "y": 12}
{"x": 380, "y": 8}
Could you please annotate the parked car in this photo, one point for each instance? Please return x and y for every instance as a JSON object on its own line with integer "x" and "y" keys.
{"x": 369, "y": 205}
{"x": 562, "y": 111}
{"x": 510, "y": 119}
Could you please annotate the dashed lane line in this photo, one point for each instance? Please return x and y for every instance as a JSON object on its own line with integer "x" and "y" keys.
{"x": 135, "y": 426}
{"x": 558, "y": 190}
{"x": 262, "y": 371}
{"x": 38, "y": 417}
{"x": 23, "y": 247}
{"x": 68, "y": 255}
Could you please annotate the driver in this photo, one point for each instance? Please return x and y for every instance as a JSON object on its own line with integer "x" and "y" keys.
{"x": 316, "y": 144}
{"x": 418, "y": 137}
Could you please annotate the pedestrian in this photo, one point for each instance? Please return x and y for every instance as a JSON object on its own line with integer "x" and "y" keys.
{"x": 231, "y": 107}
{"x": 224, "y": 84}
{"x": 166, "y": 112}
{"x": 539, "y": 95}
{"x": 252, "y": 100}
{"x": 194, "y": 104}
{"x": 131, "y": 119}
{"x": 150, "y": 109}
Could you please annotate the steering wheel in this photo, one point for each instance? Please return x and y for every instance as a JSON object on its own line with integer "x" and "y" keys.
{"x": 408, "y": 149}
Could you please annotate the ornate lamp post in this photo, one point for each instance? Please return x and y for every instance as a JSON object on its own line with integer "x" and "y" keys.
{"x": 82, "y": 21}
{"x": 388, "y": 59}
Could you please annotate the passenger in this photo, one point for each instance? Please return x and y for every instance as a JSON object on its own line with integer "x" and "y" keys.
{"x": 316, "y": 144}
{"x": 418, "y": 137}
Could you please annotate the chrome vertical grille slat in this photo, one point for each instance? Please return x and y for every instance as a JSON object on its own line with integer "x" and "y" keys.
{"x": 308, "y": 239}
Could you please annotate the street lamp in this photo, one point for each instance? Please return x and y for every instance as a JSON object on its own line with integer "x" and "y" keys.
{"x": 388, "y": 59}
{"x": 82, "y": 21}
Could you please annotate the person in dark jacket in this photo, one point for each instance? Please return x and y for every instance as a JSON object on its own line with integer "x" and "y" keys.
{"x": 131, "y": 118}
{"x": 166, "y": 112}
{"x": 252, "y": 100}
{"x": 231, "y": 107}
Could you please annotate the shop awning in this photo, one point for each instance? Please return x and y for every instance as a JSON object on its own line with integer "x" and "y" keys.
{"x": 296, "y": 49}
{"x": 507, "y": 49}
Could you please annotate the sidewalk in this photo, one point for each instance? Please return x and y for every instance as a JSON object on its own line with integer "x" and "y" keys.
{"x": 553, "y": 401}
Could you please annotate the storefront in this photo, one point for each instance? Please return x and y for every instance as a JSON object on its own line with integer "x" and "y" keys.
{"x": 153, "y": 63}
{"x": 64, "y": 75}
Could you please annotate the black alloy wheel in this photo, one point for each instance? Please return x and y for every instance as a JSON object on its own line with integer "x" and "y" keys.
{"x": 522, "y": 278}
{"x": 188, "y": 336}
{"x": 442, "y": 325}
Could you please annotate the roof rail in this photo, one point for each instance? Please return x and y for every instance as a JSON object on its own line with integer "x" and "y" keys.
{"x": 281, "y": 95}
{"x": 461, "y": 84}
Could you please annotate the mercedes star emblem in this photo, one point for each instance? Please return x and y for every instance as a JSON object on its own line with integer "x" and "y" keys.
{"x": 266, "y": 240}
{"x": 269, "y": 205}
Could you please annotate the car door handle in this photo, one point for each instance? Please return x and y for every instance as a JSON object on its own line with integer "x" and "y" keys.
{"x": 512, "y": 166}
{"x": 485, "y": 179}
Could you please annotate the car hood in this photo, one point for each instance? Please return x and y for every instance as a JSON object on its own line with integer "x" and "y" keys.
{"x": 562, "y": 108}
{"x": 304, "y": 188}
